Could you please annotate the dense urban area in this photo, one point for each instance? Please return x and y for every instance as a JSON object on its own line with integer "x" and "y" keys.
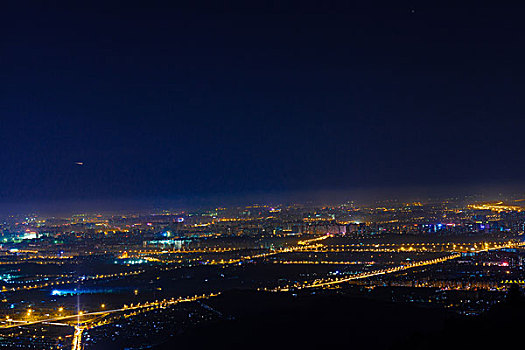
{"x": 137, "y": 280}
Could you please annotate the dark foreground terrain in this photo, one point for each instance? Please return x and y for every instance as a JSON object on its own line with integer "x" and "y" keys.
{"x": 282, "y": 321}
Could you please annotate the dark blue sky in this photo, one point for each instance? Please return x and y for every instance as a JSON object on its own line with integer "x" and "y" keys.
{"x": 200, "y": 100}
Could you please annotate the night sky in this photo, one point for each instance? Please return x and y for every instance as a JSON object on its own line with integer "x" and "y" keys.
{"x": 207, "y": 100}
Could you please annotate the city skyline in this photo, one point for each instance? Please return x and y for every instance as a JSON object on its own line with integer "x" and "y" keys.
{"x": 261, "y": 175}
{"x": 154, "y": 278}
